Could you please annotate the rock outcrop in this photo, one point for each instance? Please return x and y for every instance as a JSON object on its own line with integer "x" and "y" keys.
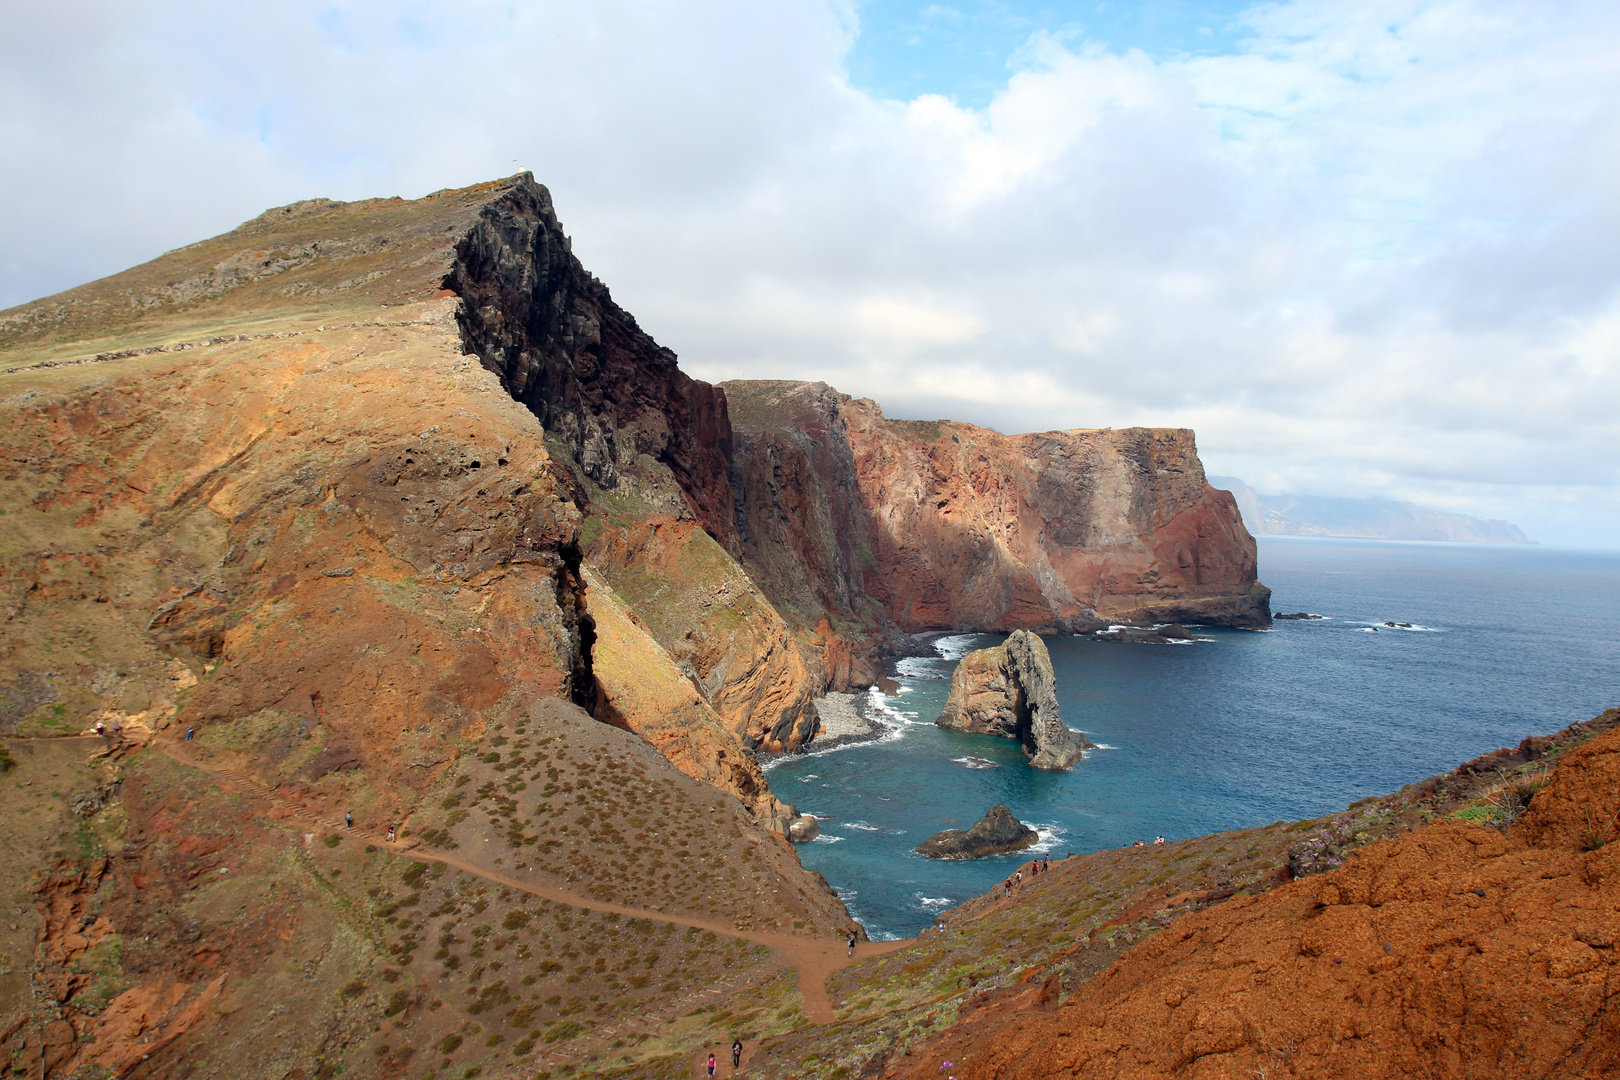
{"x": 1009, "y": 691}
{"x": 579, "y": 362}
{"x": 996, "y": 833}
{"x": 640, "y": 689}
{"x": 726, "y": 637}
{"x": 846, "y": 515}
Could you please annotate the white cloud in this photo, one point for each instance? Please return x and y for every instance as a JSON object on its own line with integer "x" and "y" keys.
{"x": 1371, "y": 251}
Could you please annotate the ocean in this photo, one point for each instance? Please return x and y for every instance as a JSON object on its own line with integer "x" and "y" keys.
{"x": 1236, "y": 729}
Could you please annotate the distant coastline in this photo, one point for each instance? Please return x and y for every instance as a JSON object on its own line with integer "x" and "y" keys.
{"x": 1363, "y": 519}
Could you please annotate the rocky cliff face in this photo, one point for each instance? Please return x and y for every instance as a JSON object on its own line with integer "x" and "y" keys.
{"x": 847, "y": 515}
{"x": 1009, "y": 691}
{"x": 579, "y": 362}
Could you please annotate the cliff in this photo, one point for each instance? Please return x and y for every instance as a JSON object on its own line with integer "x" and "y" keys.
{"x": 846, "y": 515}
{"x": 1009, "y": 691}
{"x": 579, "y": 362}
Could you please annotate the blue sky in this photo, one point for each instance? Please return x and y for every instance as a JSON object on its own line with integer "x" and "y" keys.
{"x": 966, "y": 50}
{"x": 1360, "y": 248}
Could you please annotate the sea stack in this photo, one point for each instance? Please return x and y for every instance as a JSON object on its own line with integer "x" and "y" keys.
{"x": 1009, "y": 690}
{"x": 997, "y": 832}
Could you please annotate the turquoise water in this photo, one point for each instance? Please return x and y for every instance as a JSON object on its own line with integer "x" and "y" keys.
{"x": 1241, "y": 728}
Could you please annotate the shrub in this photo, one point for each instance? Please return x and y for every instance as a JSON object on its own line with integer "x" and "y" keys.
{"x": 449, "y": 1043}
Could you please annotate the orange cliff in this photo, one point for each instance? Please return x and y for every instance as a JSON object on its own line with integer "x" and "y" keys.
{"x": 949, "y": 526}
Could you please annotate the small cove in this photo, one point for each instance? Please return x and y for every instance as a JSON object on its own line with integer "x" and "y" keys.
{"x": 1235, "y": 730}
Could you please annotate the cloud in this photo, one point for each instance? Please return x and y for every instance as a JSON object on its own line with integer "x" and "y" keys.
{"x": 1369, "y": 249}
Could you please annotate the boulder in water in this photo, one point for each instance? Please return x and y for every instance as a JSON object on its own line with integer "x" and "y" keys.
{"x": 804, "y": 828}
{"x": 997, "y": 832}
{"x": 1010, "y": 691}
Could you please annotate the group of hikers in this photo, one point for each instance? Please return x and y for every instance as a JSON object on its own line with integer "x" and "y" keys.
{"x": 1039, "y": 866}
{"x": 736, "y": 1056}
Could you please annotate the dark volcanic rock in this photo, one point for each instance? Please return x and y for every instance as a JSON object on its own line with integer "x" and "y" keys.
{"x": 996, "y": 832}
{"x": 1163, "y": 635}
{"x": 1297, "y": 615}
{"x": 579, "y": 362}
{"x": 1010, "y": 691}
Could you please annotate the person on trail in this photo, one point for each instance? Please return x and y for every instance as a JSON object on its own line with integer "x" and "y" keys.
{"x": 188, "y": 734}
{"x": 101, "y": 729}
{"x": 711, "y": 1064}
{"x": 348, "y": 820}
{"x": 852, "y": 936}
{"x": 736, "y": 1053}
{"x": 1018, "y": 879}
{"x": 1006, "y": 888}
{"x": 390, "y": 834}
{"x": 1047, "y": 861}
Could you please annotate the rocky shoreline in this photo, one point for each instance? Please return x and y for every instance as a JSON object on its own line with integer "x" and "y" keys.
{"x": 846, "y": 719}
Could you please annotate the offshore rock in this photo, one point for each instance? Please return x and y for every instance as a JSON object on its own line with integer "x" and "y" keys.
{"x": 804, "y": 828}
{"x": 997, "y": 832}
{"x": 1010, "y": 691}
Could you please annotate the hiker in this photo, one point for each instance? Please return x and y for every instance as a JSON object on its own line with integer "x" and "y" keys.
{"x": 101, "y": 729}
{"x": 118, "y": 731}
{"x": 348, "y": 820}
{"x": 188, "y": 734}
{"x": 1047, "y": 862}
{"x": 711, "y": 1064}
{"x": 852, "y": 936}
{"x": 1018, "y": 879}
{"x": 1006, "y": 888}
{"x": 736, "y": 1053}
{"x": 390, "y": 834}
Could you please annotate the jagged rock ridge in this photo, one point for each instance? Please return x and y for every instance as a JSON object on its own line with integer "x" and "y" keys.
{"x": 1009, "y": 691}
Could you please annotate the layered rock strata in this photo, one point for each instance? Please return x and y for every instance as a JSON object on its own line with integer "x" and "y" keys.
{"x": 865, "y": 521}
{"x": 996, "y": 833}
{"x": 640, "y": 689}
{"x": 1009, "y": 691}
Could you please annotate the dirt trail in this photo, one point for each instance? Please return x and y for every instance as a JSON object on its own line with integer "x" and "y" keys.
{"x": 815, "y": 959}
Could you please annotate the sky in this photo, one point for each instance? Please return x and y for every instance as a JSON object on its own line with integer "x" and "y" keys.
{"x": 1362, "y": 248}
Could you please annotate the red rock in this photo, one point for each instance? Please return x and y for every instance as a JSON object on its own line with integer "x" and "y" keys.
{"x": 951, "y": 526}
